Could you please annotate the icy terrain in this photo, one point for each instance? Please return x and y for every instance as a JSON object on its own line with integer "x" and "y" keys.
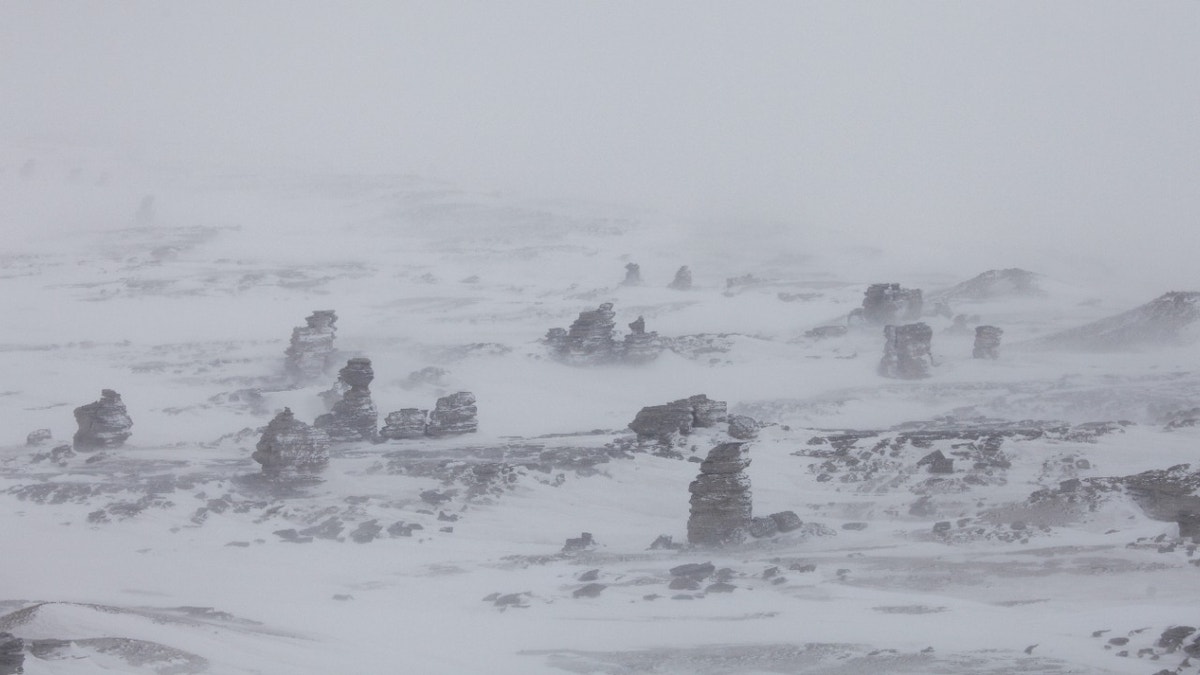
{"x": 977, "y": 521}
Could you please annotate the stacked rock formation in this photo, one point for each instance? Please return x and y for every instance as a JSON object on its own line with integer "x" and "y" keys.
{"x": 452, "y": 415}
{"x": 633, "y": 275}
{"x": 661, "y": 422}
{"x": 987, "y": 342}
{"x": 354, "y": 417}
{"x": 721, "y": 503}
{"x": 906, "y": 351}
{"x": 289, "y": 444}
{"x": 889, "y": 303}
{"x": 38, "y": 437}
{"x": 683, "y": 279}
{"x": 102, "y": 424}
{"x": 404, "y": 424}
{"x": 589, "y": 340}
{"x": 312, "y": 346}
{"x": 640, "y": 346}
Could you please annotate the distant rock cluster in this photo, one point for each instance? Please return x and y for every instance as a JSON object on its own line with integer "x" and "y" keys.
{"x": 888, "y": 304}
{"x": 661, "y": 422}
{"x": 906, "y": 351}
{"x": 1168, "y": 320}
{"x": 987, "y": 342}
{"x": 353, "y": 418}
{"x": 633, "y": 275}
{"x": 289, "y": 444}
{"x": 721, "y": 502}
{"x": 102, "y": 424}
{"x": 591, "y": 340}
{"x": 311, "y": 347}
{"x": 994, "y": 284}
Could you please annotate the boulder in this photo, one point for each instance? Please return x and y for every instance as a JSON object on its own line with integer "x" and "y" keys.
{"x": 311, "y": 348}
{"x": 354, "y": 418}
{"x": 289, "y": 444}
{"x": 590, "y": 339}
{"x": 742, "y": 427}
{"x": 102, "y": 424}
{"x": 407, "y": 423}
{"x": 987, "y": 342}
{"x": 906, "y": 351}
{"x": 721, "y": 502}
{"x": 452, "y": 415}
{"x": 38, "y": 437}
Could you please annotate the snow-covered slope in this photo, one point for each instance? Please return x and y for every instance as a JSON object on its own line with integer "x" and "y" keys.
{"x": 173, "y": 554}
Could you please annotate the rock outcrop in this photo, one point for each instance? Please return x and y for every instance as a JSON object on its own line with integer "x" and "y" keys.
{"x": 682, "y": 280}
{"x": 12, "y": 654}
{"x": 1167, "y": 320}
{"x": 640, "y": 346}
{"x": 721, "y": 502}
{"x": 591, "y": 340}
{"x": 889, "y": 303}
{"x": 311, "y": 348}
{"x": 742, "y": 427}
{"x": 633, "y": 275}
{"x": 102, "y": 424}
{"x": 987, "y": 342}
{"x": 288, "y": 444}
{"x": 661, "y": 422}
{"x": 453, "y": 415}
{"x": 404, "y": 424}
{"x": 906, "y": 351}
{"x": 354, "y": 418}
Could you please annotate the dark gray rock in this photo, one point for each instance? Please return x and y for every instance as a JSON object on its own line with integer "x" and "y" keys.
{"x": 664, "y": 542}
{"x": 590, "y": 339}
{"x": 583, "y": 542}
{"x": 742, "y": 427}
{"x": 12, "y": 654}
{"x": 311, "y": 347}
{"x": 366, "y": 532}
{"x": 682, "y": 280}
{"x": 103, "y": 424}
{"x": 589, "y": 591}
{"x": 937, "y": 462}
{"x": 639, "y": 346}
{"x": 987, "y": 342}
{"x": 889, "y": 303}
{"x": 38, "y": 437}
{"x": 590, "y": 575}
{"x": 763, "y": 526}
{"x": 1173, "y": 637}
{"x": 453, "y": 415}
{"x": 407, "y": 423}
{"x": 721, "y": 502}
{"x": 720, "y": 587}
{"x": 693, "y": 570}
{"x": 825, "y": 332}
{"x": 354, "y": 418}
{"x": 288, "y": 444}
{"x": 786, "y": 521}
{"x": 633, "y": 275}
{"x": 906, "y": 351}
{"x": 661, "y": 422}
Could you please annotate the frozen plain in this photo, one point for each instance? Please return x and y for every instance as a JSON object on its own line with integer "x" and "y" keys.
{"x": 162, "y": 557}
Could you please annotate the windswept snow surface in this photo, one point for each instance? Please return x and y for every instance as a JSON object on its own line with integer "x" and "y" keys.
{"x": 173, "y": 555}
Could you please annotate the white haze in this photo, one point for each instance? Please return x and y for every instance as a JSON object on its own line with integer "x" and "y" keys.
{"x": 1032, "y": 132}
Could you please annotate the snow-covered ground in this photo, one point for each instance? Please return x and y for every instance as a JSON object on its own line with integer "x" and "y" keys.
{"x": 166, "y": 555}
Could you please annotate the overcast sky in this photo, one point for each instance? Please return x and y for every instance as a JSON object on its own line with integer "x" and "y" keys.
{"x": 1073, "y": 120}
